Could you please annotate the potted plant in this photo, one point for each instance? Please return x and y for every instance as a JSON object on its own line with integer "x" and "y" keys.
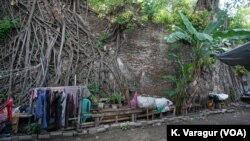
{"x": 94, "y": 101}
{"x": 113, "y": 101}
{"x": 116, "y": 100}
{"x": 120, "y": 98}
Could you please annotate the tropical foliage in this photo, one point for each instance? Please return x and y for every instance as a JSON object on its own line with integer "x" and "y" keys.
{"x": 131, "y": 13}
{"x": 181, "y": 84}
{"x": 203, "y": 47}
{"x": 6, "y": 25}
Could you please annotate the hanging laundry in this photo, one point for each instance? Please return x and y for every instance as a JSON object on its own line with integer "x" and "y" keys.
{"x": 63, "y": 104}
{"x": 41, "y": 107}
{"x": 55, "y": 105}
{"x": 73, "y": 90}
{"x": 58, "y": 111}
{"x": 70, "y": 108}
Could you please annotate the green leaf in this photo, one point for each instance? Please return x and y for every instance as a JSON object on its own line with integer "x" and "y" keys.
{"x": 172, "y": 93}
{"x": 188, "y": 24}
{"x": 177, "y": 36}
{"x": 236, "y": 34}
{"x": 204, "y": 36}
{"x": 177, "y": 28}
{"x": 212, "y": 27}
{"x": 170, "y": 78}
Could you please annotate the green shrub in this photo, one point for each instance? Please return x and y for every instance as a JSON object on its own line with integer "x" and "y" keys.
{"x": 94, "y": 88}
{"x": 6, "y": 25}
{"x": 116, "y": 98}
{"x": 240, "y": 70}
{"x": 103, "y": 40}
{"x": 125, "y": 126}
{"x": 33, "y": 128}
{"x": 94, "y": 99}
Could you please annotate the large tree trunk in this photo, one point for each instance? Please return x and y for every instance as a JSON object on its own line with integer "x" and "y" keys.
{"x": 209, "y": 5}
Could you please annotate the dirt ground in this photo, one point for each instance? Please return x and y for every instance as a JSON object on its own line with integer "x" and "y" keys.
{"x": 158, "y": 132}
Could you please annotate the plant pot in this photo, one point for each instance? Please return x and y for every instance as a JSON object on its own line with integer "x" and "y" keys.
{"x": 114, "y": 106}
{"x": 94, "y": 106}
{"x": 100, "y": 105}
{"x": 210, "y": 104}
{"x": 106, "y": 106}
{"x": 119, "y": 105}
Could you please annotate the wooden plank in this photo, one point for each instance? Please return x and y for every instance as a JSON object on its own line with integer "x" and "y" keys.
{"x": 133, "y": 117}
{"x": 79, "y": 110}
{"x": 97, "y": 121}
{"x": 87, "y": 124}
{"x": 147, "y": 114}
{"x": 118, "y": 113}
{"x": 116, "y": 119}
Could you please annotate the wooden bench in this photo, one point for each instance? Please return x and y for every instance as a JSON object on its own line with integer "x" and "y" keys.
{"x": 116, "y": 115}
{"x": 16, "y": 119}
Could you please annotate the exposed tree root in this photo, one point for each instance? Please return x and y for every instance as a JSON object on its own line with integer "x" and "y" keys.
{"x": 52, "y": 44}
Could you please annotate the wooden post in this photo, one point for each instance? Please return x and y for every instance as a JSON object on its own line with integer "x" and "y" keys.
{"x": 133, "y": 117}
{"x": 116, "y": 119}
{"x": 75, "y": 80}
{"x": 97, "y": 121}
{"x": 79, "y": 110}
{"x": 147, "y": 113}
{"x": 174, "y": 112}
{"x": 153, "y": 115}
{"x": 160, "y": 114}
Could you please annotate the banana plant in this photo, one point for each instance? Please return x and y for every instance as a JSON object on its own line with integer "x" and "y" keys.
{"x": 190, "y": 34}
{"x": 181, "y": 84}
{"x": 211, "y": 39}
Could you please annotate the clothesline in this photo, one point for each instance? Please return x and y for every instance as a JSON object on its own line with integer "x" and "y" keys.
{"x": 85, "y": 92}
{"x": 58, "y": 103}
{"x": 83, "y": 86}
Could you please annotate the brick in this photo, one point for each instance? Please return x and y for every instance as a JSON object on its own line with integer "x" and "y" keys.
{"x": 99, "y": 130}
{"x": 25, "y": 138}
{"x": 106, "y": 126}
{"x": 78, "y": 139}
{"x": 55, "y": 134}
{"x": 150, "y": 122}
{"x": 157, "y": 124}
{"x": 75, "y": 133}
{"x": 135, "y": 124}
{"x": 14, "y": 138}
{"x": 45, "y": 136}
{"x": 85, "y": 131}
{"x": 6, "y": 139}
{"x": 68, "y": 134}
{"x": 116, "y": 125}
{"x": 143, "y": 122}
{"x": 92, "y": 130}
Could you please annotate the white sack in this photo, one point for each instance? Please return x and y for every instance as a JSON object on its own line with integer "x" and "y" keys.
{"x": 146, "y": 102}
{"x": 162, "y": 102}
{"x": 220, "y": 96}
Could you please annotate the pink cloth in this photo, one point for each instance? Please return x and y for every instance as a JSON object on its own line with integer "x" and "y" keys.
{"x": 133, "y": 102}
